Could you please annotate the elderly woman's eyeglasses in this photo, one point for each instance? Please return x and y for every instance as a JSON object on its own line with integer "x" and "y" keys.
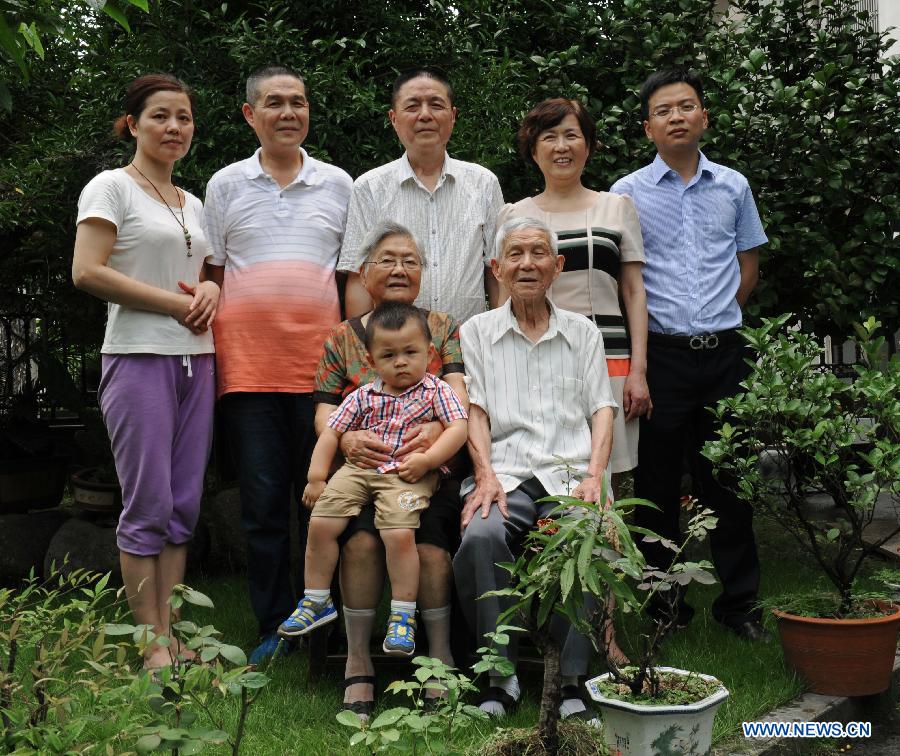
{"x": 665, "y": 112}
{"x": 389, "y": 263}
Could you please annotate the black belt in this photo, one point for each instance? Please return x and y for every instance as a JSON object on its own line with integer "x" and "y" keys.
{"x": 698, "y": 341}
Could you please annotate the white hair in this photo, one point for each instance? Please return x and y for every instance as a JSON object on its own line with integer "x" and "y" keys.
{"x": 520, "y": 224}
{"x": 381, "y": 231}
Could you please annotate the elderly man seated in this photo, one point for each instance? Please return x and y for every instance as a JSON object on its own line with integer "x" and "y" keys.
{"x": 538, "y": 391}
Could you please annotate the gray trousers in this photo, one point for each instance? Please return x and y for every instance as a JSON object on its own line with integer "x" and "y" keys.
{"x": 488, "y": 541}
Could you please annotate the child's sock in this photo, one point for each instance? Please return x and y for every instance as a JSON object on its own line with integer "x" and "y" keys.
{"x": 403, "y": 606}
{"x": 318, "y": 597}
{"x": 437, "y": 627}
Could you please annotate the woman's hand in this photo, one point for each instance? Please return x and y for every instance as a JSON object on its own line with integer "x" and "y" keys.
{"x": 636, "y": 397}
{"x": 202, "y": 309}
{"x": 420, "y": 439}
{"x": 364, "y": 449}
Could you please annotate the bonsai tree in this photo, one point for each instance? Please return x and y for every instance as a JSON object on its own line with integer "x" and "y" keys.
{"x": 582, "y": 564}
{"x": 824, "y": 433}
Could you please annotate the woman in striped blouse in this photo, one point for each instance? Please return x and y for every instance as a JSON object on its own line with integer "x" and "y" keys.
{"x": 600, "y": 238}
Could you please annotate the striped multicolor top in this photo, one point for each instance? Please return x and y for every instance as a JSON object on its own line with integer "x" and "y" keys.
{"x": 279, "y": 247}
{"x": 391, "y": 416}
{"x": 594, "y": 243}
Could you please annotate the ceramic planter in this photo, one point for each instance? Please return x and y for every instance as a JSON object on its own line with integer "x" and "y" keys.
{"x": 645, "y": 729}
{"x": 843, "y": 657}
{"x": 95, "y": 496}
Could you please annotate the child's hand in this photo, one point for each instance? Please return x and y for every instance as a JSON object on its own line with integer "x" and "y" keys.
{"x": 414, "y": 467}
{"x": 312, "y": 492}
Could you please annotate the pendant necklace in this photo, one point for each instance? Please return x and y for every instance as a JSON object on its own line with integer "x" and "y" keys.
{"x": 187, "y": 234}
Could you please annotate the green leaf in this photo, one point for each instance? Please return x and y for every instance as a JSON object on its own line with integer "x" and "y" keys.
{"x": 253, "y": 680}
{"x": 387, "y": 718}
{"x": 197, "y": 599}
{"x": 117, "y": 16}
{"x": 349, "y": 719}
{"x": 567, "y": 578}
{"x": 147, "y": 743}
{"x": 119, "y": 629}
{"x": 234, "y": 654}
{"x": 33, "y": 38}
{"x": 833, "y": 534}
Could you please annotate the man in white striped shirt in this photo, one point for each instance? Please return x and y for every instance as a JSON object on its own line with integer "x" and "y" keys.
{"x": 449, "y": 205}
{"x": 538, "y": 391}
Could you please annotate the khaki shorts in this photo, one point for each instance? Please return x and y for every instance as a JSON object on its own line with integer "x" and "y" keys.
{"x": 397, "y": 503}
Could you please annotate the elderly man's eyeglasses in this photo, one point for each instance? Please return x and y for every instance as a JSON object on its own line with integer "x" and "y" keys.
{"x": 666, "y": 111}
{"x": 389, "y": 263}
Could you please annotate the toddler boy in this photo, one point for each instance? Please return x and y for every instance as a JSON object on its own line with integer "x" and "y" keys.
{"x": 403, "y": 396}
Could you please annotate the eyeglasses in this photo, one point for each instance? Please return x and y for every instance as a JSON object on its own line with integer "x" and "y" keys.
{"x": 665, "y": 112}
{"x": 389, "y": 263}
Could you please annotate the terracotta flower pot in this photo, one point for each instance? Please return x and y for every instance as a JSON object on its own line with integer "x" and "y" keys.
{"x": 843, "y": 657}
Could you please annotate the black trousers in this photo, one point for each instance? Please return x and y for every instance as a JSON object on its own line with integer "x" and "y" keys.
{"x": 272, "y": 437}
{"x": 683, "y": 382}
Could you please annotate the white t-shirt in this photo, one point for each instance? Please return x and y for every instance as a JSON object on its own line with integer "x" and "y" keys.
{"x": 149, "y": 248}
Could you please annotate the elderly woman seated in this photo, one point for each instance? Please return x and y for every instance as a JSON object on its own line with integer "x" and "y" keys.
{"x": 539, "y": 391}
{"x": 391, "y": 271}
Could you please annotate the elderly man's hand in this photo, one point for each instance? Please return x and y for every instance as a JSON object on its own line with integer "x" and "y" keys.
{"x": 486, "y": 493}
{"x": 420, "y": 439}
{"x": 364, "y": 449}
{"x": 591, "y": 489}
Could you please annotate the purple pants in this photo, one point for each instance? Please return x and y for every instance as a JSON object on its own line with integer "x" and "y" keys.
{"x": 160, "y": 422}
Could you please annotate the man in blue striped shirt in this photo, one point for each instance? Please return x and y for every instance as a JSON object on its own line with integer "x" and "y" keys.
{"x": 701, "y": 231}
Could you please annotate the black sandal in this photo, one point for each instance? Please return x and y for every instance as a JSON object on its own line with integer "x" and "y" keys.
{"x": 571, "y": 691}
{"x": 363, "y": 709}
{"x": 587, "y": 714}
{"x": 500, "y": 696}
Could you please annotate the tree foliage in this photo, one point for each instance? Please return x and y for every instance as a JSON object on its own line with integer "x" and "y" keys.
{"x": 800, "y": 101}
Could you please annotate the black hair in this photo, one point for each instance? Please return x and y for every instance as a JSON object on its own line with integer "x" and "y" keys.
{"x": 429, "y": 72}
{"x": 267, "y": 72}
{"x": 140, "y": 90}
{"x": 549, "y": 113}
{"x": 392, "y": 316}
{"x": 662, "y": 79}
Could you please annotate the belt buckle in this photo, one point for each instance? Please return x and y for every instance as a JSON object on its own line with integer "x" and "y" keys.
{"x": 704, "y": 341}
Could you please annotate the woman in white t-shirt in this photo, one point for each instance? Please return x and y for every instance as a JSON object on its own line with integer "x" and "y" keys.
{"x": 139, "y": 245}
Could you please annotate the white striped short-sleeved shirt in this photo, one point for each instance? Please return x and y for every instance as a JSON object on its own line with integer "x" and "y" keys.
{"x": 540, "y": 397}
{"x": 454, "y": 226}
{"x": 279, "y": 246}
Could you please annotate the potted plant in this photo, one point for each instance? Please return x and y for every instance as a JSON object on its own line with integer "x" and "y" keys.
{"x": 95, "y": 485}
{"x": 834, "y": 436}
{"x": 573, "y": 565}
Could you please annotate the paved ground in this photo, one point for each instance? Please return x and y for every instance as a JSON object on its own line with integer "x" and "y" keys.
{"x": 885, "y": 739}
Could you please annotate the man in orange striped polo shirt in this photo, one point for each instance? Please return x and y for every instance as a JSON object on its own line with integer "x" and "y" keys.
{"x": 275, "y": 223}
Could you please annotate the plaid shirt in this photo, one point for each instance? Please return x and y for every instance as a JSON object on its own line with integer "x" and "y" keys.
{"x": 390, "y": 417}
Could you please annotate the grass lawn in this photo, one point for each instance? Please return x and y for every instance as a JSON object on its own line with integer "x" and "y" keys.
{"x": 293, "y": 716}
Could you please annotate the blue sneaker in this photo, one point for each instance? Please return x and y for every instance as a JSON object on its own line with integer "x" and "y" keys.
{"x": 306, "y": 617}
{"x": 401, "y": 635}
{"x": 270, "y": 647}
